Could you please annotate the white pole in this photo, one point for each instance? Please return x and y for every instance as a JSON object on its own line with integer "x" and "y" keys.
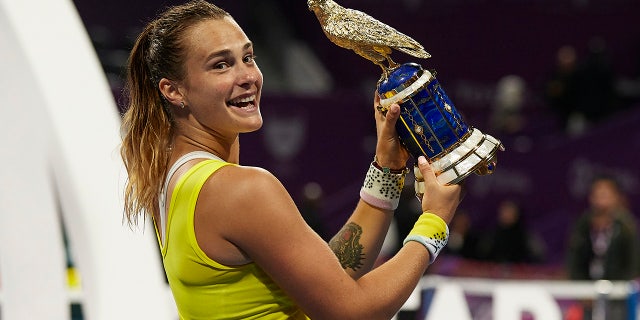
{"x": 66, "y": 89}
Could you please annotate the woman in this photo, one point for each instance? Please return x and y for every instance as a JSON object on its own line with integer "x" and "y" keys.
{"x": 233, "y": 242}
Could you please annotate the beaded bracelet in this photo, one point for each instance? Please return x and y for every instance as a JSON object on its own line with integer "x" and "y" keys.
{"x": 386, "y": 169}
{"x": 382, "y": 186}
{"x": 430, "y": 231}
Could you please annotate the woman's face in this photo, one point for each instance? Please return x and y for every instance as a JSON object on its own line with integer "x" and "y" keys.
{"x": 223, "y": 83}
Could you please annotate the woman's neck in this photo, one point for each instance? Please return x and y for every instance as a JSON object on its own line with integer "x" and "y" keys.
{"x": 224, "y": 149}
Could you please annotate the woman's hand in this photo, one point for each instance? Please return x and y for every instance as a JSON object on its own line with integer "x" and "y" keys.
{"x": 390, "y": 152}
{"x": 438, "y": 199}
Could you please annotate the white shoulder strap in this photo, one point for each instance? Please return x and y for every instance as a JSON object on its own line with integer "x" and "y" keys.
{"x": 162, "y": 199}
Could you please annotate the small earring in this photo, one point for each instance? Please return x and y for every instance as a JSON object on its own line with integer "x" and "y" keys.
{"x": 181, "y": 104}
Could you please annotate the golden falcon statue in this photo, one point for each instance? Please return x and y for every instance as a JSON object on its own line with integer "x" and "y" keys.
{"x": 366, "y": 36}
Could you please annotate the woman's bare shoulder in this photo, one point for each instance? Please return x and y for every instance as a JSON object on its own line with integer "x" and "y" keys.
{"x": 243, "y": 188}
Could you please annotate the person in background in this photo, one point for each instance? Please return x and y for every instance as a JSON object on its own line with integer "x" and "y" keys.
{"x": 510, "y": 241}
{"x": 561, "y": 87}
{"x": 233, "y": 243}
{"x": 596, "y": 96}
{"x": 507, "y": 114}
{"x": 463, "y": 238}
{"x": 603, "y": 242}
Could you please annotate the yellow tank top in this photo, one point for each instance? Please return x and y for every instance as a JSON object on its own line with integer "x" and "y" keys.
{"x": 206, "y": 289}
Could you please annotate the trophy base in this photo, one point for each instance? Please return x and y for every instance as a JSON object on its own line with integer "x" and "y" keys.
{"x": 475, "y": 154}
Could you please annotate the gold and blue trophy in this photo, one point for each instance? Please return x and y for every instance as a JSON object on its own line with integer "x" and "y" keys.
{"x": 429, "y": 123}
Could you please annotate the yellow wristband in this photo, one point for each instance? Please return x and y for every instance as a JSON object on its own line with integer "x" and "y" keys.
{"x": 432, "y": 232}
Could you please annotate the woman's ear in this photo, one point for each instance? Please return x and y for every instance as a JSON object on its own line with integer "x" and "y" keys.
{"x": 171, "y": 92}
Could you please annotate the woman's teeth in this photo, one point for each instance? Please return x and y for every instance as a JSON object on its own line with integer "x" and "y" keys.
{"x": 242, "y": 102}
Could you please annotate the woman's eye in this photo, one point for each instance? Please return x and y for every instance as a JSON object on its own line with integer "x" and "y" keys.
{"x": 249, "y": 58}
{"x": 221, "y": 65}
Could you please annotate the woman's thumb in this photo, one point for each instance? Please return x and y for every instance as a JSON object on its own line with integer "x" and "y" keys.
{"x": 425, "y": 169}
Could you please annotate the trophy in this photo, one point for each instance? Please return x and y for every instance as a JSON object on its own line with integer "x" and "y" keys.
{"x": 429, "y": 124}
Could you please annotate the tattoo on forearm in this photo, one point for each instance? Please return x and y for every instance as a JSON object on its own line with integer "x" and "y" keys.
{"x": 346, "y": 245}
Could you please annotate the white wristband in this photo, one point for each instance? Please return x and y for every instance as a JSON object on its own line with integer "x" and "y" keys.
{"x": 382, "y": 188}
{"x": 434, "y": 246}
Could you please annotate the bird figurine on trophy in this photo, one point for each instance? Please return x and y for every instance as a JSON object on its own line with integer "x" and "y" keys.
{"x": 429, "y": 124}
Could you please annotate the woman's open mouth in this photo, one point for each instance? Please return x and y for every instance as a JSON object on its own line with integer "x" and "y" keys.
{"x": 243, "y": 103}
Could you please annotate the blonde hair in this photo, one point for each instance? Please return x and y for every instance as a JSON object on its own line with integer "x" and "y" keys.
{"x": 147, "y": 126}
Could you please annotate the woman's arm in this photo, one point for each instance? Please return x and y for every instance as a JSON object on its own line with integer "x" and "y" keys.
{"x": 257, "y": 215}
{"x": 357, "y": 245}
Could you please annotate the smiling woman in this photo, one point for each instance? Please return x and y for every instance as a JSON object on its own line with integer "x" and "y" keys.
{"x": 222, "y": 82}
{"x": 233, "y": 242}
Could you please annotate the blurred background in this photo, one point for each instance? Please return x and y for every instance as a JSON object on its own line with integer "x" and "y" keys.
{"x": 557, "y": 81}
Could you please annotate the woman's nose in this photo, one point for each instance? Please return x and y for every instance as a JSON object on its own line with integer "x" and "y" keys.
{"x": 250, "y": 75}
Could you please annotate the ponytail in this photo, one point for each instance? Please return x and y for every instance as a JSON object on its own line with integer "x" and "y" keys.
{"x": 147, "y": 126}
{"x": 146, "y": 133}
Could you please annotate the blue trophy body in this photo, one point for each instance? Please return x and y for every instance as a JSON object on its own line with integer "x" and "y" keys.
{"x": 430, "y": 125}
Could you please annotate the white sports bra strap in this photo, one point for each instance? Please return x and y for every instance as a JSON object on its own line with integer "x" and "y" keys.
{"x": 162, "y": 199}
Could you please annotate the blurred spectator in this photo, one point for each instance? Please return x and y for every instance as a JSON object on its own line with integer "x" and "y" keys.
{"x": 407, "y": 212}
{"x": 596, "y": 97}
{"x": 311, "y": 207}
{"x": 510, "y": 241}
{"x": 507, "y": 105}
{"x": 582, "y": 91}
{"x": 560, "y": 90}
{"x": 604, "y": 242}
{"x": 463, "y": 239}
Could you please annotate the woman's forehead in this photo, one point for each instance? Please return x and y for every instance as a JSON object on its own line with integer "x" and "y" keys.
{"x": 212, "y": 33}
